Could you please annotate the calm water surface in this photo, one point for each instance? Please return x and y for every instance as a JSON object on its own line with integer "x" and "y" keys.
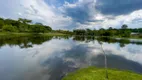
{"x": 51, "y": 58}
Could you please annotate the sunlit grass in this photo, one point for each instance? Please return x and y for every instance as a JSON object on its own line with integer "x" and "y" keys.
{"x": 93, "y": 73}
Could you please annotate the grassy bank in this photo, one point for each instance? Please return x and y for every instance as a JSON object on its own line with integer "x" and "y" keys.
{"x": 131, "y": 37}
{"x": 56, "y": 34}
{"x": 30, "y": 34}
{"x": 93, "y": 73}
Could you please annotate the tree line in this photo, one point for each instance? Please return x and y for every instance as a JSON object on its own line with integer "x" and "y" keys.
{"x": 22, "y": 25}
{"x": 124, "y": 31}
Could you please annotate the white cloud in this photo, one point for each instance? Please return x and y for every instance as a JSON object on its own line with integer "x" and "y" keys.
{"x": 45, "y": 14}
{"x": 123, "y": 19}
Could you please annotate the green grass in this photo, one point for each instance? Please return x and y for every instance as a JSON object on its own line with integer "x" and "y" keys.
{"x": 29, "y": 34}
{"x": 93, "y": 73}
{"x": 14, "y": 34}
{"x": 55, "y": 34}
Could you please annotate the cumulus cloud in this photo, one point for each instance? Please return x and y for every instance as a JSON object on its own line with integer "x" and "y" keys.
{"x": 70, "y": 14}
{"x": 124, "y": 19}
{"x": 40, "y": 11}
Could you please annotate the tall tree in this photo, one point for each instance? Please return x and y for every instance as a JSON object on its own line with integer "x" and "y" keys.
{"x": 110, "y": 28}
{"x": 124, "y": 26}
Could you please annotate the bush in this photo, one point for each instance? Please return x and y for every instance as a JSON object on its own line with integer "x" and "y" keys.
{"x": 38, "y": 29}
{"x": 1, "y": 24}
{"x": 9, "y": 28}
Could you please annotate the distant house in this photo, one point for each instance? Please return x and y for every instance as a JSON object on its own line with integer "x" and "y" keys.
{"x": 133, "y": 33}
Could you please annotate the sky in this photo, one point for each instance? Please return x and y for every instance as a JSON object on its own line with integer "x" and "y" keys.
{"x": 76, "y": 14}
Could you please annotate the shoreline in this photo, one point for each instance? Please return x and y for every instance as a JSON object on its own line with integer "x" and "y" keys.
{"x": 60, "y": 34}
{"x": 30, "y": 34}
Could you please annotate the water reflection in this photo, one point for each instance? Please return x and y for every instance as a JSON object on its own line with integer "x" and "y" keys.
{"x": 122, "y": 42}
{"x": 27, "y": 41}
{"x": 51, "y": 58}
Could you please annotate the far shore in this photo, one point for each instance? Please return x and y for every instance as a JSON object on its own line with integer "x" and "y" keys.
{"x": 59, "y": 34}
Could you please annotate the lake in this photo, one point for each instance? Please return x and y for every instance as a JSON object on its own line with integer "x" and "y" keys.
{"x": 53, "y": 57}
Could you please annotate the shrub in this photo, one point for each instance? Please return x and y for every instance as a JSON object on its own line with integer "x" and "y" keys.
{"x": 9, "y": 28}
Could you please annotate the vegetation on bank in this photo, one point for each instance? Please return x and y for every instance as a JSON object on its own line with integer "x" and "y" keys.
{"x": 22, "y": 25}
{"x": 27, "y": 26}
{"x": 93, "y": 73}
{"x": 113, "y": 32}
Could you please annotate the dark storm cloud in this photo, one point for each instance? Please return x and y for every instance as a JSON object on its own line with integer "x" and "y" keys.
{"x": 84, "y": 12}
{"x": 118, "y": 7}
{"x": 81, "y": 13}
